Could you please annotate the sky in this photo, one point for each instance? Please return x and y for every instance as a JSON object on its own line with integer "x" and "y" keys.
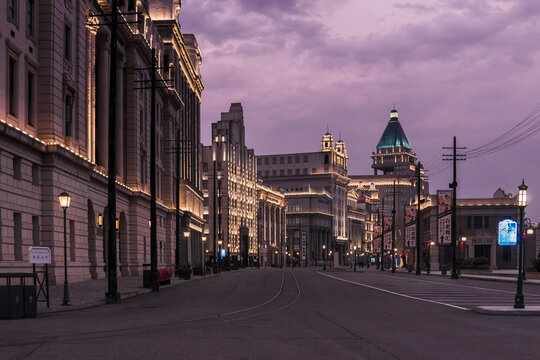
{"x": 464, "y": 68}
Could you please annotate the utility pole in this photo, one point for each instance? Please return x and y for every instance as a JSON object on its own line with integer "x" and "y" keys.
{"x": 454, "y": 157}
{"x": 382, "y": 234}
{"x": 153, "y": 216}
{"x": 394, "y": 231}
{"x": 418, "y": 188}
{"x": 112, "y": 296}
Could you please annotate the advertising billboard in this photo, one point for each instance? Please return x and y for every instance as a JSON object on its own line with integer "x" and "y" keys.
{"x": 508, "y": 232}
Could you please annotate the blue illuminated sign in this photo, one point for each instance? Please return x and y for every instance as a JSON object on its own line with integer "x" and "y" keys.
{"x": 222, "y": 253}
{"x": 507, "y": 232}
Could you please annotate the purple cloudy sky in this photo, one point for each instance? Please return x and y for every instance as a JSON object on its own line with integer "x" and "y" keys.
{"x": 469, "y": 68}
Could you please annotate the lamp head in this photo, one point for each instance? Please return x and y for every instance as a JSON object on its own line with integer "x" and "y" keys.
{"x": 100, "y": 220}
{"x": 64, "y": 200}
{"x": 522, "y": 194}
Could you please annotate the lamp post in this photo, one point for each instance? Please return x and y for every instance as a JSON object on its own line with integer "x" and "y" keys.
{"x": 354, "y": 257}
{"x": 186, "y": 236}
{"x": 324, "y": 256}
{"x": 428, "y": 265}
{"x": 519, "y": 302}
{"x": 220, "y": 242}
{"x": 65, "y": 200}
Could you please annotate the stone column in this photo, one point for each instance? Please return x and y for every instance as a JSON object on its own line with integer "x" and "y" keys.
{"x": 119, "y": 136}
{"x": 102, "y": 94}
{"x": 91, "y": 88}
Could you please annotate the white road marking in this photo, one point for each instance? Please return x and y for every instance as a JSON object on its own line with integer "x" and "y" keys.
{"x": 395, "y": 293}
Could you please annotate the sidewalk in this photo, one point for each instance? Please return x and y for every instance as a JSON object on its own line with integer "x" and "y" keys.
{"x": 91, "y": 293}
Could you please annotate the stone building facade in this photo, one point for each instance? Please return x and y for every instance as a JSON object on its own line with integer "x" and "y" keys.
{"x": 313, "y": 172}
{"x": 230, "y": 190}
{"x": 272, "y": 226}
{"x": 54, "y": 127}
{"x": 394, "y": 165}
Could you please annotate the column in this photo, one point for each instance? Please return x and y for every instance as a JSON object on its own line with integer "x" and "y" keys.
{"x": 119, "y": 136}
{"x": 91, "y": 88}
{"x": 103, "y": 101}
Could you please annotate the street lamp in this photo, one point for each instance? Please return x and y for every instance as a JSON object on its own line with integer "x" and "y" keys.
{"x": 65, "y": 200}
{"x": 203, "y": 258}
{"x": 324, "y": 257}
{"x": 220, "y": 242}
{"x": 354, "y": 247}
{"x": 100, "y": 220}
{"x": 519, "y": 302}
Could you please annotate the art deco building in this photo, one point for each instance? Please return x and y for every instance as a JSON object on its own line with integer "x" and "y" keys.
{"x": 272, "y": 226}
{"x": 229, "y": 188}
{"x": 54, "y": 77}
{"x": 319, "y": 177}
{"x": 396, "y": 162}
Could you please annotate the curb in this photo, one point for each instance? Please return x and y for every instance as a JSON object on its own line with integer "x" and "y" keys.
{"x": 507, "y": 312}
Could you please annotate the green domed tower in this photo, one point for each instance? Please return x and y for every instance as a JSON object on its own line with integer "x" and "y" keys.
{"x": 394, "y": 152}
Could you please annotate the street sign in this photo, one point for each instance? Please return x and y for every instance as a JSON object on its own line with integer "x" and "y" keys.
{"x": 445, "y": 230}
{"x": 507, "y": 232}
{"x": 410, "y": 236}
{"x": 388, "y": 241}
{"x": 39, "y": 255}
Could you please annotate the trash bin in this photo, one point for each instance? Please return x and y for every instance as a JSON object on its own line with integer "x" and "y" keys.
{"x": 443, "y": 269}
{"x": 147, "y": 276}
{"x": 17, "y": 300}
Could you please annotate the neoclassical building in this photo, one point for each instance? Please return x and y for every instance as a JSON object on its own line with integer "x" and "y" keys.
{"x": 316, "y": 187}
{"x": 54, "y": 110}
{"x": 272, "y": 226}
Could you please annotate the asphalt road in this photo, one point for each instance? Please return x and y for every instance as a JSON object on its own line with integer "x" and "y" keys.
{"x": 289, "y": 314}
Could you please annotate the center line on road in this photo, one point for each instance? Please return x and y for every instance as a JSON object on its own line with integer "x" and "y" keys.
{"x": 459, "y": 285}
{"x": 394, "y": 293}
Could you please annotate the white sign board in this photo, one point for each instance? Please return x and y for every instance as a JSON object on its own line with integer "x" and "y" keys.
{"x": 388, "y": 241}
{"x": 410, "y": 236}
{"x": 39, "y": 255}
{"x": 303, "y": 245}
{"x": 377, "y": 245}
{"x": 445, "y": 229}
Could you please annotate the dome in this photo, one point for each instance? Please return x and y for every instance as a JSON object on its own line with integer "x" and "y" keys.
{"x": 394, "y": 135}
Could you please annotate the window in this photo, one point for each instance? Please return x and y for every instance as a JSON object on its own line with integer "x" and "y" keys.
{"x": 30, "y": 17}
{"x": 72, "y": 256}
{"x": 35, "y": 175}
{"x": 17, "y": 234}
{"x": 266, "y": 173}
{"x": 259, "y": 173}
{"x": 266, "y": 161}
{"x": 297, "y": 159}
{"x": 326, "y": 159}
{"x": 486, "y": 222}
{"x": 305, "y": 158}
{"x": 281, "y": 172}
{"x": 12, "y": 83}
{"x": 282, "y": 160}
{"x": 274, "y": 161}
{"x": 477, "y": 222}
{"x": 297, "y": 171}
{"x": 313, "y": 170}
{"x": 30, "y": 99}
{"x": 289, "y": 159}
{"x": 67, "y": 42}
{"x": 274, "y": 172}
{"x": 12, "y": 9}
{"x": 259, "y": 162}
{"x": 69, "y": 115}
{"x": 16, "y": 168}
{"x": 289, "y": 171}
{"x": 35, "y": 230}
{"x": 469, "y": 222}
{"x": 305, "y": 171}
